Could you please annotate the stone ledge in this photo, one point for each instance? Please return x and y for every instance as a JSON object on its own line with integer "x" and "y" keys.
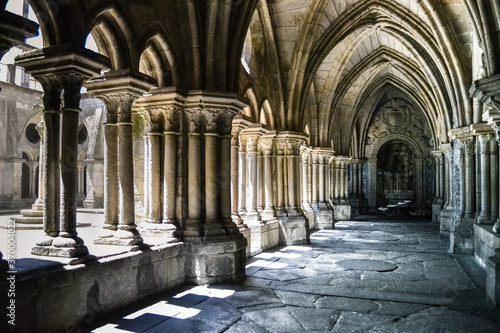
{"x": 86, "y": 290}
{"x": 485, "y": 242}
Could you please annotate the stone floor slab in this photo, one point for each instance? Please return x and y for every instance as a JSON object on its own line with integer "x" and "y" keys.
{"x": 367, "y": 265}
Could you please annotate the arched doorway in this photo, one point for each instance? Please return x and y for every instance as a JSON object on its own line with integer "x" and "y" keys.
{"x": 396, "y": 175}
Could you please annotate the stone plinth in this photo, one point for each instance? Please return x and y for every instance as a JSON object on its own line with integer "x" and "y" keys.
{"x": 309, "y": 215}
{"x": 342, "y": 212}
{"x": 446, "y": 220}
{"x": 323, "y": 216}
{"x": 294, "y": 230}
{"x": 485, "y": 243}
{"x": 462, "y": 238}
{"x": 213, "y": 260}
{"x": 263, "y": 236}
{"x": 147, "y": 229}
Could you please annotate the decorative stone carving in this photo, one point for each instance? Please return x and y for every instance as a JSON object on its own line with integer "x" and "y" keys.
{"x": 397, "y": 116}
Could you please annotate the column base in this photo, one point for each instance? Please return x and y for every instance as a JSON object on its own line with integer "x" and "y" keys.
{"x": 214, "y": 260}
{"x": 165, "y": 230}
{"x": 323, "y": 216}
{"x": 446, "y": 220}
{"x": 63, "y": 247}
{"x": 462, "y": 237}
{"x": 253, "y": 219}
{"x": 294, "y": 230}
{"x": 120, "y": 237}
{"x": 264, "y": 236}
{"x": 483, "y": 219}
{"x": 93, "y": 203}
{"x": 341, "y": 212}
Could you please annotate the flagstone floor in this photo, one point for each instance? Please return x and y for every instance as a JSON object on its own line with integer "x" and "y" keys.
{"x": 359, "y": 277}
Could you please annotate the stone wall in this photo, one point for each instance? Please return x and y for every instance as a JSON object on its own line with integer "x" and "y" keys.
{"x": 83, "y": 292}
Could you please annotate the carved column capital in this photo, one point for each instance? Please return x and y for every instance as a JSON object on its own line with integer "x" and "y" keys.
{"x": 469, "y": 145}
{"x": 266, "y": 146}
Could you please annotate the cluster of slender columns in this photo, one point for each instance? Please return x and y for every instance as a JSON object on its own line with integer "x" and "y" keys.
{"x": 118, "y": 90}
{"x": 61, "y": 69}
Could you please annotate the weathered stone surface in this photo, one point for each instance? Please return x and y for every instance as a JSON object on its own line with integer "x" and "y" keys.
{"x": 367, "y": 265}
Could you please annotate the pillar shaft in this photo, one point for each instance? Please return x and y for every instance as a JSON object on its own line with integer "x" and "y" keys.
{"x": 211, "y": 212}
{"x": 154, "y": 178}
{"x": 484, "y": 217}
{"x": 51, "y": 172}
{"x": 169, "y": 177}
{"x": 110, "y": 176}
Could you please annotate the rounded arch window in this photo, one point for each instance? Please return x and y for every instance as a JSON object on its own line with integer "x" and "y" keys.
{"x": 32, "y": 133}
{"x": 82, "y": 135}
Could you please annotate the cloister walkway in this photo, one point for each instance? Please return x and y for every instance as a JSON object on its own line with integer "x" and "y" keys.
{"x": 362, "y": 276}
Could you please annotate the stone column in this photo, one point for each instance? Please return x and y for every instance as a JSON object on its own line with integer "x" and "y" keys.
{"x": 492, "y": 116}
{"x": 280, "y": 195}
{"x": 294, "y": 227}
{"x": 162, "y": 108}
{"x": 51, "y": 155}
{"x": 213, "y": 226}
{"x": 235, "y": 176}
{"x": 38, "y": 205}
{"x": 484, "y": 217}
{"x": 145, "y": 186}
{"x": 118, "y": 90}
{"x": 305, "y": 157}
{"x": 225, "y": 151}
{"x": 267, "y": 147}
{"x": 169, "y": 167}
{"x": 154, "y": 177}
{"x": 193, "y": 227}
{"x": 469, "y": 150}
{"x": 252, "y": 212}
{"x": 58, "y": 68}
{"x": 494, "y": 175}
{"x": 214, "y": 248}
{"x": 251, "y": 136}
{"x": 242, "y": 176}
{"x": 314, "y": 179}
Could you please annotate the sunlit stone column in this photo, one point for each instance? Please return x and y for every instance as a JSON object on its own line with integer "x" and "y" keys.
{"x": 51, "y": 155}
{"x": 306, "y": 178}
{"x": 314, "y": 177}
{"x": 484, "y": 217}
{"x": 58, "y": 68}
{"x": 118, "y": 90}
{"x": 252, "y": 135}
{"x": 267, "y": 146}
{"x": 213, "y": 226}
{"x": 38, "y": 205}
{"x": 154, "y": 176}
{"x": 170, "y": 135}
{"x": 193, "y": 226}
{"x": 242, "y": 176}
{"x": 225, "y": 171}
{"x": 145, "y": 203}
{"x": 238, "y": 169}
{"x": 280, "y": 195}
